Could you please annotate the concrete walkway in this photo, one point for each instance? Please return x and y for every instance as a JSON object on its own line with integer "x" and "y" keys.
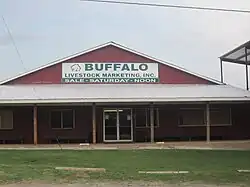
{"x": 221, "y": 145}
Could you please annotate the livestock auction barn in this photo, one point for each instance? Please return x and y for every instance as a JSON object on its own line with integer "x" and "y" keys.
{"x": 111, "y": 93}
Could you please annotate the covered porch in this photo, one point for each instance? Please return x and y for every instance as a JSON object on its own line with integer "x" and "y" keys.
{"x": 137, "y": 113}
{"x": 124, "y": 123}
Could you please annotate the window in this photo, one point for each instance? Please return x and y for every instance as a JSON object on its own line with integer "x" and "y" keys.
{"x": 220, "y": 116}
{"x": 192, "y": 117}
{"x": 62, "y": 119}
{"x": 6, "y": 119}
{"x": 142, "y": 117}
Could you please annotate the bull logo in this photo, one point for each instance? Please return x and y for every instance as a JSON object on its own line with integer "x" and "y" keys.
{"x": 75, "y": 68}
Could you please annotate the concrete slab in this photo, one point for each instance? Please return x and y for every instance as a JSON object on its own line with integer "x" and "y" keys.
{"x": 221, "y": 145}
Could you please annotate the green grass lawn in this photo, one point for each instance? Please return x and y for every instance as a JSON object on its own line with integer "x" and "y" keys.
{"x": 205, "y": 166}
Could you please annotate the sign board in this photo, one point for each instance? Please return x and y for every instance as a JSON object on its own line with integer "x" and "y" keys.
{"x": 110, "y": 72}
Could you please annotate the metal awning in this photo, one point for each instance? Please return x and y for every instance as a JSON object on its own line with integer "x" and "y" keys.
{"x": 239, "y": 55}
{"x": 122, "y": 93}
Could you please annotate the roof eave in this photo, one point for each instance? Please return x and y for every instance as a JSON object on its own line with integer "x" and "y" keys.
{"x": 55, "y": 62}
{"x": 125, "y": 100}
{"x": 246, "y": 44}
{"x": 234, "y": 61}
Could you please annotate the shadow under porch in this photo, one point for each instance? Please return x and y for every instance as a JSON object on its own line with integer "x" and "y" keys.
{"x": 77, "y": 124}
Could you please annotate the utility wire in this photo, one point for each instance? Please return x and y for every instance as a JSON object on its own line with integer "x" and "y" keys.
{"x": 16, "y": 48}
{"x": 169, "y": 6}
{"x": 13, "y": 42}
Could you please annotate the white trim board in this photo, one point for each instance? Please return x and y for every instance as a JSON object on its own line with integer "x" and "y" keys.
{"x": 115, "y": 45}
{"x": 81, "y": 169}
{"x": 243, "y": 171}
{"x": 163, "y": 172}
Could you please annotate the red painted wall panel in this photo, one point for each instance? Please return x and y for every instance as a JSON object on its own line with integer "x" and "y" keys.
{"x": 83, "y": 124}
{"x": 22, "y": 124}
{"x": 169, "y": 75}
{"x": 52, "y": 74}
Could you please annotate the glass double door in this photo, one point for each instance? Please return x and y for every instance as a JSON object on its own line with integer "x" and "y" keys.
{"x": 117, "y": 125}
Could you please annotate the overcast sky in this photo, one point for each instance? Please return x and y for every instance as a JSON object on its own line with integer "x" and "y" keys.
{"x": 45, "y": 30}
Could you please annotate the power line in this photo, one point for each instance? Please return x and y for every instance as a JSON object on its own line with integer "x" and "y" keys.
{"x": 169, "y": 6}
{"x": 13, "y": 42}
{"x": 16, "y": 48}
